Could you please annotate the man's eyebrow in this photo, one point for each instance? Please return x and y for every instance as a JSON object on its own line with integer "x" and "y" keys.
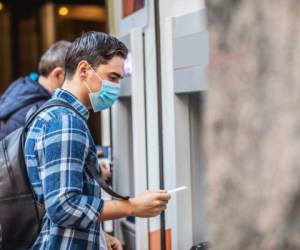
{"x": 116, "y": 75}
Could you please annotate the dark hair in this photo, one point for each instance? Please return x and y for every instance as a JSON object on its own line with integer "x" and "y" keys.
{"x": 53, "y": 57}
{"x": 96, "y": 48}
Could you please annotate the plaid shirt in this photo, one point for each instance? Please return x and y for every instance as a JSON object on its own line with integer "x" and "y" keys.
{"x": 58, "y": 146}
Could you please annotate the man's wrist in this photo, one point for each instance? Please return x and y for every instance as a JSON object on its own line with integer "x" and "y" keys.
{"x": 131, "y": 210}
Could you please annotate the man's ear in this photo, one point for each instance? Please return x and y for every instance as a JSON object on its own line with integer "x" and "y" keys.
{"x": 56, "y": 77}
{"x": 58, "y": 73}
{"x": 83, "y": 69}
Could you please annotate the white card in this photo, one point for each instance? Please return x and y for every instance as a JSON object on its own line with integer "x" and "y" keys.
{"x": 176, "y": 189}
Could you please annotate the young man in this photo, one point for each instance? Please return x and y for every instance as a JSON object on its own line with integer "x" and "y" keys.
{"x": 32, "y": 90}
{"x": 59, "y": 146}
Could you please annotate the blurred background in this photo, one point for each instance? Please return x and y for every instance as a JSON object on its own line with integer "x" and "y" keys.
{"x": 28, "y": 28}
{"x": 252, "y": 125}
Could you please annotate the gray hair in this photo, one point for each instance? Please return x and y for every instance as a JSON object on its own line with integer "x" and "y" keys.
{"x": 53, "y": 57}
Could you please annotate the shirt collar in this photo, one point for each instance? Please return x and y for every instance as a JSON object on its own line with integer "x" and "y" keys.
{"x": 66, "y": 96}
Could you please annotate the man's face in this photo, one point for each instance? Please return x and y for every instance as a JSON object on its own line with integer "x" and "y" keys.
{"x": 112, "y": 71}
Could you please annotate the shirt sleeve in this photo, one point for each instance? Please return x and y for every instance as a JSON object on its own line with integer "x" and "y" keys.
{"x": 62, "y": 151}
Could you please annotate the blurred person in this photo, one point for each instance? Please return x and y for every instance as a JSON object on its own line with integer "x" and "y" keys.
{"x": 106, "y": 171}
{"x": 34, "y": 89}
{"x": 59, "y": 146}
{"x": 105, "y": 163}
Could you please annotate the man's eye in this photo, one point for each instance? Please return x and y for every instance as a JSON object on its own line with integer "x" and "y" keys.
{"x": 113, "y": 79}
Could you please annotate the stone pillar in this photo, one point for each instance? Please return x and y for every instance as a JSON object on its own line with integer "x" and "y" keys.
{"x": 252, "y": 125}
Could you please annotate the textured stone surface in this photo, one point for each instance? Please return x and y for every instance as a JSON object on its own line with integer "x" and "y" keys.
{"x": 252, "y": 125}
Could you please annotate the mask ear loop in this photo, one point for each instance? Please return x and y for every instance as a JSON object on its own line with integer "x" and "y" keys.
{"x": 96, "y": 73}
{"x": 85, "y": 83}
{"x": 87, "y": 86}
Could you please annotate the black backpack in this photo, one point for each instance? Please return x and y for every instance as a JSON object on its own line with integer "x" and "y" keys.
{"x": 20, "y": 213}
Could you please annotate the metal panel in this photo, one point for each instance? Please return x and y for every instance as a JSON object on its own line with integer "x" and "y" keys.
{"x": 197, "y": 167}
{"x": 126, "y": 87}
{"x": 129, "y": 233}
{"x": 191, "y": 23}
{"x": 126, "y": 82}
{"x": 152, "y": 112}
{"x": 126, "y": 41}
{"x": 122, "y": 151}
{"x": 191, "y": 50}
{"x": 186, "y": 52}
{"x": 189, "y": 80}
{"x": 169, "y": 134}
{"x": 131, "y": 135}
{"x": 139, "y": 130}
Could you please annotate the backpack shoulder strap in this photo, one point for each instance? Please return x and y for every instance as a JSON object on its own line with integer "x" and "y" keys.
{"x": 92, "y": 170}
{"x": 49, "y": 104}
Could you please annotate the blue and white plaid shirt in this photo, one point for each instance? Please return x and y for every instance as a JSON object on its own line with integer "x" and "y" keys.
{"x": 57, "y": 149}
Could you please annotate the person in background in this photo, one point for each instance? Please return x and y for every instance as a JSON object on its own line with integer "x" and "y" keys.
{"x": 105, "y": 162}
{"x": 34, "y": 89}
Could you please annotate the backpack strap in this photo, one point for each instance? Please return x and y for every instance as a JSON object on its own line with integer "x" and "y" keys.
{"x": 91, "y": 169}
{"x": 51, "y": 103}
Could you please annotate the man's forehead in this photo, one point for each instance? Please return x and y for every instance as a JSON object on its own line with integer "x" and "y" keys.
{"x": 118, "y": 72}
{"x": 116, "y": 61}
{"x": 114, "y": 66}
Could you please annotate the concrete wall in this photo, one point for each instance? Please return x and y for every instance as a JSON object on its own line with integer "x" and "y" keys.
{"x": 252, "y": 125}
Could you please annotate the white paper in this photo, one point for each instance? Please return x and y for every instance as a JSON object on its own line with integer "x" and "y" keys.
{"x": 177, "y": 189}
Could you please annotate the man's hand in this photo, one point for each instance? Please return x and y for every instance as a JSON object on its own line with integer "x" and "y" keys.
{"x": 113, "y": 243}
{"x": 105, "y": 173}
{"x": 149, "y": 203}
{"x": 105, "y": 169}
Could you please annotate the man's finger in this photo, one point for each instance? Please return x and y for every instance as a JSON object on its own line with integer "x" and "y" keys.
{"x": 162, "y": 191}
{"x": 162, "y": 207}
{"x": 164, "y": 196}
{"x": 161, "y": 203}
{"x": 117, "y": 245}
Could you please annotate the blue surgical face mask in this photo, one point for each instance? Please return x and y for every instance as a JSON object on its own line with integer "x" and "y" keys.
{"x": 106, "y": 96}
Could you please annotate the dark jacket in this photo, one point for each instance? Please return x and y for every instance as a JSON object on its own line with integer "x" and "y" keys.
{"x": 21, "y": 95}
